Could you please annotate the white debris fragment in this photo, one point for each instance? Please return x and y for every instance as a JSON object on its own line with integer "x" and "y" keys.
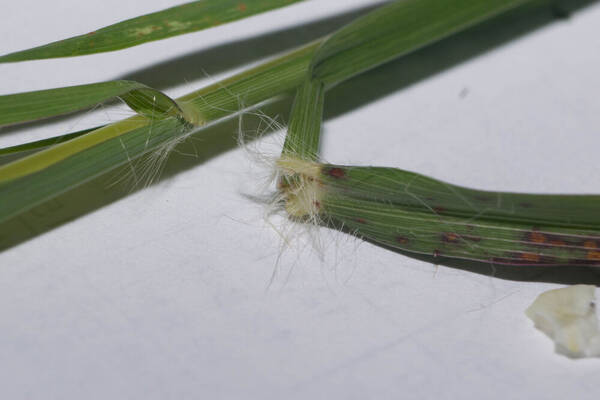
{"x": 568, "y": 316}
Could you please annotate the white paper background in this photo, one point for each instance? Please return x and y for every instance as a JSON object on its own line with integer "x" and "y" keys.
{"x": 166, "y": 292}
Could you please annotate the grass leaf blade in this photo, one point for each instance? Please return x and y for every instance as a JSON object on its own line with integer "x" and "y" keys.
{"x": 177, "y": 20}
{"x": 96, "y": 153}
{"x": 421, "y": 215}
{"x": 304, "y": 128}
{"x": 30, "y": 106}
{"x": 396, "y": 29}
{"x": 27, "y": 182}
{"x": 43, "y": 143}
{"x": 418, "y": 192}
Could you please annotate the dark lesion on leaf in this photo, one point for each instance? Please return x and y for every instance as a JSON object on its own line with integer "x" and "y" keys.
{"x": 449, "y": 237}
{"x": 335, "y": 172}
{"x": 455, "y": 238}
{"x": 538, "y": 239}
{"x": 402, "y": 239}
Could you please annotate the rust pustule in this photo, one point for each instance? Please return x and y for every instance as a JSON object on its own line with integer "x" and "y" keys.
{"x": 361, "y": 220}
{"x": 555, "y": 240}
{"x": 530, "y": 257}
{"x": 336, "y": 172}
{"x": 558, "y": 243}
{"x": 593, "y": 255}
{"x": 537, "y": 237}
{"x": 449, "y": 237}
{"x": 401, "y": 239}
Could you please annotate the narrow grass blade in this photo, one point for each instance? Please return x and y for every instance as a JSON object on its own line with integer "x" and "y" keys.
{"x": 408, "y": 211}
{"x": 223, "y": 99}
{"x": 413, "y": 213}
{"x": 413, "y": 191}
{"x": 304, "y": 129}
{"x": 47, "y": 173}
{"x": 31, "y": 106}
{"x": 178, "y": 20}
{"x": 90, "y": 156}
{"x": 386, "y": 33}
{"x": 468, "y": 237}
{"x": 41, "y": 144}
{"x": 396, "y": 29}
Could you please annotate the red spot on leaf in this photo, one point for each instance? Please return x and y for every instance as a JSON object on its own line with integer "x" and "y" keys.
{"x": 593, "y": 255}
{"x": 537, "y": 237}
{"x": 557, "y": 243}
{"x": 531, "y": 257}
{"x": 450, "y": 237}
{"x": 242, "y": 7}
{"x": 337, "y": 173}
{"x": 401, "y": 239}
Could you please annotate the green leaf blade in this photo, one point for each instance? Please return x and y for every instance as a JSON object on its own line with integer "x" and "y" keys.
{"x": 92, "y": 159}
{"x": 43, "y": 143}
{"x": 417, "y": 214}
{"x": 24, "y": 183}
{"x": 494, "y": 242}
{"x": 304, "y": 129}
{"x": 30, "y": 106}
{"x": 178, "y": 20}
{"x": 396, "y": 29}
{"x": 416, "y": 191}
